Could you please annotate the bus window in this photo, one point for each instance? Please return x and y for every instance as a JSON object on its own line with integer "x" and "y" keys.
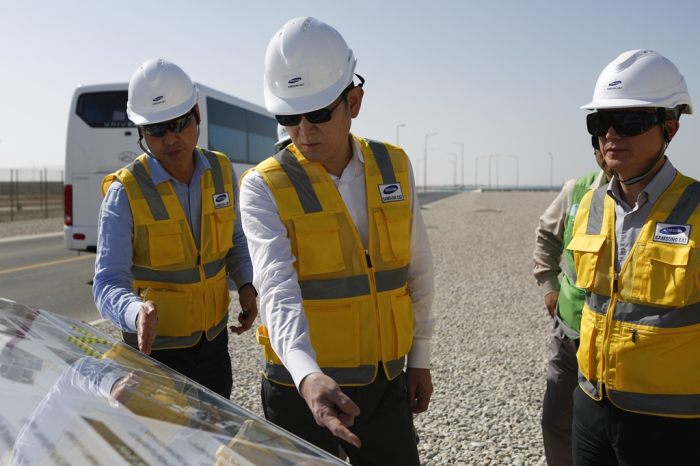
{"x": 243, "y": 136}
{"x": 104, "y": 109}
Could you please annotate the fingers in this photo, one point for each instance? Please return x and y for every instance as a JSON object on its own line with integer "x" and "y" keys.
{"x": 249, "y": 310}
{"x": 126, "y": 386}
{"x": 147, "y": 326}
{"x": 339, "y": 430}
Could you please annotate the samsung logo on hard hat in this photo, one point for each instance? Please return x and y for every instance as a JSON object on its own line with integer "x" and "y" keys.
{"x": 672, "y": 230}
{"x": 220, "y": 197}
{"x": 157, "y": 98}
{"x": 390, "y": 189}
{"x": 294, "y": 80}
{"x": 615, "y": 83}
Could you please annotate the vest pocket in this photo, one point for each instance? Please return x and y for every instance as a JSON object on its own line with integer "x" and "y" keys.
{"x": 592, "y": 332}
{"x": 586, "y": 253}
{"x": 165, "y": 242}
{"x": 394, "y": 230}
{"x": 222, "y": 221}
{"x": 658, "y": 360}
{"x": 402, "y": 324}
{"x": 174, "y": 311}
{"x": 263, "y": 338}
{"x": 318, "y": 243}
{"x": 660, "y": 274}
{"x": 335, "y": 335}
{"x": 222, "y": 298}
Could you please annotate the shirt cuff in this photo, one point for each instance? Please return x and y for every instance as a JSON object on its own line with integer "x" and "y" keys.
{"x": 548, "y": 283}
{"x": 419, "y": 356}
{"x": 131, "y": 314}
{"x": 109, "y": 380}
{"x": 242, "y": 277}
{"x": 300, "y": 364}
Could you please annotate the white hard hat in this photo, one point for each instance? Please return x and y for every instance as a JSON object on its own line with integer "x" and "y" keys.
{"x": 282, "y": 135}
{"x": 307, "y": 66}
{"x": 640, "y": 78}
{"x": 160, "y": 91}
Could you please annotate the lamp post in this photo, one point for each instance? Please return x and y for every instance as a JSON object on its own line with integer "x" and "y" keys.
{"x": 490, "y": 157}
{"x": 476, "y": 160}
{"x": 425, "y": 163}
{"x": 461, "y": 144}
{"x": 517, "y": 169}
{"x": 454, "y": 171}
{"x": 551, "y": 171}
{"x": 397, "y": 132}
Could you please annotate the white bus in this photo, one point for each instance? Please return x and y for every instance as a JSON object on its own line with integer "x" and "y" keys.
{"x": 101, "y": 139}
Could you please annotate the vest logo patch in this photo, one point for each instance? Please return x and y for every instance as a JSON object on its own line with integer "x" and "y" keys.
{"x": 221, "y": 201}
{"x": 671, "y": 234}
{"x": 391, "y": 192}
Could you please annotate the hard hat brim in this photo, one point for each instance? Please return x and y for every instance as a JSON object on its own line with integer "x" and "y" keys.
{"x": 681, "y": 99}
{"x": 165, "y": 115}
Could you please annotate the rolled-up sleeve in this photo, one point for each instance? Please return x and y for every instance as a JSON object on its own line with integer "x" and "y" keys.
{"x": 112, "y": 286}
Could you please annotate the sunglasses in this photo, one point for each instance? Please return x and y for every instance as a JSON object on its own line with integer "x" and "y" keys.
{"x": 626, "y": 124}
{"x": 318, "y": 116}
{"x": 176, "y": 125}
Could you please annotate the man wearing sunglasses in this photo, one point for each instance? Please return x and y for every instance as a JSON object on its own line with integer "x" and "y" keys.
{"x": 341, "y": 259}
{"x": 169, "y": 234}
{"x": 564, "y": 302}
{"x": 635, "y": 244}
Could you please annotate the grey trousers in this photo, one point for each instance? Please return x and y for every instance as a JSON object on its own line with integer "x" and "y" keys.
{"x": 558, "y": 406}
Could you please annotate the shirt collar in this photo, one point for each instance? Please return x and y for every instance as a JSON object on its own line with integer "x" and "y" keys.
{"x": 354, "y": 165}
{"x": 159, "y": 175}
{"x": 653, "y": 191}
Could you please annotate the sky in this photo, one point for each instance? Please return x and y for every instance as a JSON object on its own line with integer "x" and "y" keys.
{"x": 501, "y": 77}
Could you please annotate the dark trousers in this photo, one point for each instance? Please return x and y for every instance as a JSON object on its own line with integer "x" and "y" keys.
{"x": 207, "y": 363}
{"x": 558, "y": 406}
{"x": 604, "y": 434}
{"x": 384, "y": 426}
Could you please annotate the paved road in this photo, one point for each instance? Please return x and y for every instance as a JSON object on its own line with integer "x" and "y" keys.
{"x": 431, "y": 196}
{"x": 41, "y": 272}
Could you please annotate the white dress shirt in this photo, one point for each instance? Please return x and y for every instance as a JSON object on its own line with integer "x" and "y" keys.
{"x": 281, "y": 307}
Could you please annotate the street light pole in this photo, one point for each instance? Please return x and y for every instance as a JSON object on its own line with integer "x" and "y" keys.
{"x": 461, "y": 144}
{"x": 397, "y": 132}
{"x": 490, "y": 156}
{"x": 454, "y": 172}
{"x": 551, "y": 171}
{"x": 517, "y": 169}
{"x": 476, "y": 160}
{"x": 425, "y": 163}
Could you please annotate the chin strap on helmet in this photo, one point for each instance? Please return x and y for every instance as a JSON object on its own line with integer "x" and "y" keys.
{"x": 148, "y": 152}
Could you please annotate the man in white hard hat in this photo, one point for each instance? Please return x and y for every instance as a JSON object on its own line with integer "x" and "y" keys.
{"x": 342, "y": 261}
{"x": 635, "y": 245}
{"x": 283, "y": 139}
{"x": 169, "y": 234}
{"x": 564, "y": 302}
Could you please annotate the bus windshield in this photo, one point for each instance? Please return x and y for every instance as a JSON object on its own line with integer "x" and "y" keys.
{"x": 104, "y": 109}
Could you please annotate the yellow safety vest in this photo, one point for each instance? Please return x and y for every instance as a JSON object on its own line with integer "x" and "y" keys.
{"x": 189, "y": 286}
{"x": 356, "y": 301}
{"x": 640, "y": 329}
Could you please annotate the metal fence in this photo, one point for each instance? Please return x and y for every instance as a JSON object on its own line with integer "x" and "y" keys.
{"x": 30, "y": 193}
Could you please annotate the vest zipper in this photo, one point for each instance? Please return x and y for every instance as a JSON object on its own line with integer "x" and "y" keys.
{"x": 617, "y": 275}
{"x": 369, "y": 261}
{"x": 634, "y": 332}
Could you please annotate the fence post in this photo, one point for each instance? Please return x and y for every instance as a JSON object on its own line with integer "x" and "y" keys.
{"x": 46, "y": 193}
{"x": 12, "y": 190}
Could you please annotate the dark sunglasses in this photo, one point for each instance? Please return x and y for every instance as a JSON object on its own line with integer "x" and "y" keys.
{"x": 626, "y": 124}
{"x": 318, "y": 116}
{"x": 176, "y": 125}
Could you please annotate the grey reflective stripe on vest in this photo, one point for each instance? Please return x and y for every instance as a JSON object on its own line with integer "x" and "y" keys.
{"x": 391, "y": 279}
{"x": 335, "y": 288}
{"x": 596, "y": 211}
{"x": 569, "y": 273}
{"x": 150, "y": 192}
{"x": 361, "y": 375}
{"x": 592, "y": 388}
{"x": 686, "y": 205}
{"x": 670, "y": 405}
{"x": 381, "y": 155}
{"x": 162, "y": 342}
{"x": 656, "y": 316}
{"x": 215, "y": 172}
{"x": 181, "y": 277}
{"x": 598, "y": 303}
{"x": 213, "y": 268}
{"x": 300, "y": 180}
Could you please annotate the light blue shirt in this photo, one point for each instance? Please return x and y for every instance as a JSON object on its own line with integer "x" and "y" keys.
{"x": 114, "y": 296}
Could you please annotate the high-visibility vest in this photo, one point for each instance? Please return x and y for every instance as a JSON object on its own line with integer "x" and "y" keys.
{"x": 640, "y": 329}
{"x": 571, "y": 297}
{"x": 188, "y": 285}
{"x": 356, "y": 301}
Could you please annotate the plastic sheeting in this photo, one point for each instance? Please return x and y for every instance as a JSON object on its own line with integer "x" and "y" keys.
{"x": 70, "y": 394}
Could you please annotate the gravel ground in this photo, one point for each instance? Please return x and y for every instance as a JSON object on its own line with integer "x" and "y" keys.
{"x": 30, "y": 227}
{"x": 491, "y": 336}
